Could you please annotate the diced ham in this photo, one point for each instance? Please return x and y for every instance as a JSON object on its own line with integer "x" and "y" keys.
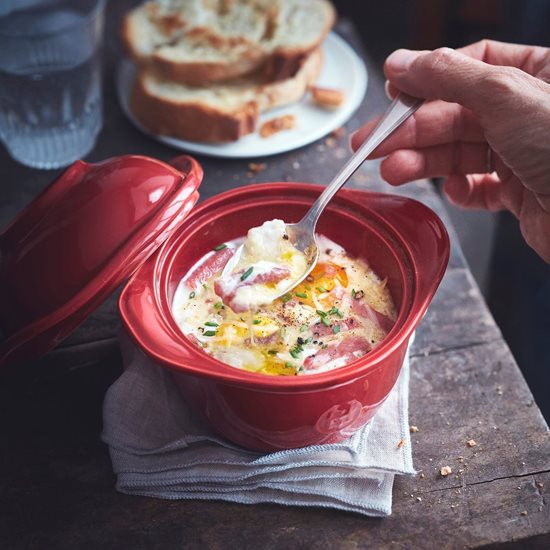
{"x": 346, "y": 351}
{"x": 362, "y": 308}
{"x": 208, "y": 268}
{"x": 227, "y": 288}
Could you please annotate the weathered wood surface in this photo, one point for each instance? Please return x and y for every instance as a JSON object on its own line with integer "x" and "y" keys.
{"x": 57, "y": 487}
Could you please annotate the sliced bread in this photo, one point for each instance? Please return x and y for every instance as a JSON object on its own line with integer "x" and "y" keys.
{"x": 217, "y": 113}
{"x": 198, "y": 42}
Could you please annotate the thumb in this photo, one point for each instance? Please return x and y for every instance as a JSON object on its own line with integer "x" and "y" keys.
{"x": 451, "y": 76}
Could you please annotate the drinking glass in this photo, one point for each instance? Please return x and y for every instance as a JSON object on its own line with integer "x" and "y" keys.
{"x": 50, "y": 79}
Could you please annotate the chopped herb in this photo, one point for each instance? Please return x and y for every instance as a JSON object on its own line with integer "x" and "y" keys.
{"x": 353, "y": 292}
{"x": 220, "y": 247}
{"x": 204, "y": 286}
{"x": 324, "y": 346}
{"x": 301, "y": 294}
{"x": 335, "y": 311}
{"x": 325, "y": 321}
{"x": 286, "y": 297}
{"x": 192, "y": 295}
{"x": 308, "y": 340}
{"x": 336, "y": 329}
{"x": 247, "y": 273}
{"x": 307, "y": 287}
{"x": 272, "y": 352}
{"x": 294, "y": 353}
{"x": 289, "y": 365}
{"x": 303, "y": 328}
{"x": 256, "y": 321}
{"x": 210, "y": 332}
{"x": 211, "y": 324}
{"x": 321, "y": 314}
{"x": 218, "y": 305}
{"x": 321, "y": 289}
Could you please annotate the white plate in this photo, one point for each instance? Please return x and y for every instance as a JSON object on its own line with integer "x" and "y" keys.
{"x": 342, "y": 69}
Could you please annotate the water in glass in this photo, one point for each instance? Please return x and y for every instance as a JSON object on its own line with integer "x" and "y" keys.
{"x": 50, "y": 83}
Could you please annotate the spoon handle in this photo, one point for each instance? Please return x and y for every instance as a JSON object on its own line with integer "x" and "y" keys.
{"x": 401, "y": 108}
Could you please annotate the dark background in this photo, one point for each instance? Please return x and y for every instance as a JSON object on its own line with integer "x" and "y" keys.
{"x": 514, "y": 280}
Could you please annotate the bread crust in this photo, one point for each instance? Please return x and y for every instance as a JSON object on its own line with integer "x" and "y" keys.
{"x": 195, "y": 121}
{"x": 191, "y": 121}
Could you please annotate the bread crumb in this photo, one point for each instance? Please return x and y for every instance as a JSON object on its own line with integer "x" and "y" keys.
{"x": 327, "y": 97}
{"x": 257, "y": 167}
{"x": 422, "y": 476}
{"x": 419, "y": 499}
{"x": 330, "y": 142}
{"x": 270, "y": 127}
{"x": 400, "y": 443}
{"x": 413, "y": 429}
{"x": 540, "y": 484}
{"x": 524, "y": 513}
{"x": 338, "y": 133}
{"x": 445, "y": 471}
{"x": 471, "y": 443}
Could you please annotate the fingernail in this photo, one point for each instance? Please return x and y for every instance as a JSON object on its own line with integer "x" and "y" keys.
{"x": 400, "y": 60}
{"x": 387, "y": 89}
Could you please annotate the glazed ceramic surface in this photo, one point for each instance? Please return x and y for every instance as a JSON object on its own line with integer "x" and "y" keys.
{"x": 400, "y": 238}
{"x": 80, "y": 239}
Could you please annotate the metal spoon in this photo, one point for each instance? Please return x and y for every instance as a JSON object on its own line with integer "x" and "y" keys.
{"x": 302, "y": 234}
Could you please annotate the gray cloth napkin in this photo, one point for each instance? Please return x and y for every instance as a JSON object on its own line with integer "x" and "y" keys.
{"x": 160, "y": 449}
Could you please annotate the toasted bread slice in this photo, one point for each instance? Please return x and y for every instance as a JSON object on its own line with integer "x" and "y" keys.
{"x": 217, "y": 113}
{"x": 199, "y": 42}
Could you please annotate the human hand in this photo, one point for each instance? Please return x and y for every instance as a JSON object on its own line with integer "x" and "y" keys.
{"x": 488, "y": 94}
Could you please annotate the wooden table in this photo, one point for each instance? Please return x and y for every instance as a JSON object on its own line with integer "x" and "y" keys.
{"x": 56, "y": 484}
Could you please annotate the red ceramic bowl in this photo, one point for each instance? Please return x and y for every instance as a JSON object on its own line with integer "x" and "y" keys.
{"x": 400, "y": 238}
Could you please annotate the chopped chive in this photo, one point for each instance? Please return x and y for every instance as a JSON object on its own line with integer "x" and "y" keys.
{"x": 211, "y": 324}
{"x": 308, "y": 340}
{"x": 353, "y": 292}
{"x": 301, "y": 294}
{"x": 218, "y": 305}
{"x": 322, "y": 289}
{"x": 324, "y": 346}
{"x": 256, "y": 321}
{"x": 192, "y": 295}
{"x": 294, "y": 353}
{"x": 204, "y": 286}
{"x": 289, "y": 365}
{"x": 335, "y": 311}
{"x": 272, "y": 352}
{"x": 210, "y": 333}
{"x": 325, "y": 321}
{"x": 286, "y": 297}
{"x": 321, "y": 314}
{"x": 303, "y": 328}
{"x": 220, "y": 247}
{"x": 336, "y": 329}
{"x": 247, "y": 273}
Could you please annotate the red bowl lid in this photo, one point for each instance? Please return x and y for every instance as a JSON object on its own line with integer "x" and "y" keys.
{"x": 82, "y": 237}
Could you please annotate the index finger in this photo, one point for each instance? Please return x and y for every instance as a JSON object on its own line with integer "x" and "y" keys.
{"x": 531, "y": 59}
